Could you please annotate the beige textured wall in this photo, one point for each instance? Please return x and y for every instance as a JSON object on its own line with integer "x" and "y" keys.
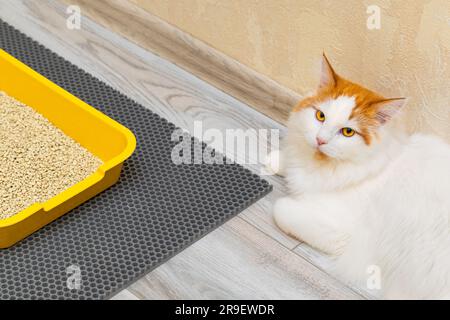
{"x": 283, "y": 39}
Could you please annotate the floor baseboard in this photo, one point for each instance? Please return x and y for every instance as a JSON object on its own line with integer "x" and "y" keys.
{"x": 193, "y": 55}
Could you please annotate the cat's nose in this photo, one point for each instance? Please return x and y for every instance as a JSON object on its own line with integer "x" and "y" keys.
{"x": 320, "y": 141}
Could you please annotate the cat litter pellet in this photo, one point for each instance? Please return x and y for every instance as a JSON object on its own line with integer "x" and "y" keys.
{"x": 37, "y": 160}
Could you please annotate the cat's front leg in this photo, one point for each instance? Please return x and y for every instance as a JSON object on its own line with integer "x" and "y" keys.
{"x": 314, "y": 222}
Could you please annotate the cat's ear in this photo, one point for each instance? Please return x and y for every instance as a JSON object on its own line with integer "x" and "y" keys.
{"x": 386, "y": 109}
{"x": 328, "y": 77}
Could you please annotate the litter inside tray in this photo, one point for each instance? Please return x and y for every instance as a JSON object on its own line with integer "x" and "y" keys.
{"x": 38, "y": 161}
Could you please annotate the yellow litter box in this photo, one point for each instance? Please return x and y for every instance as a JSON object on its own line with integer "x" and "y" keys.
{"x": 102, "y": 136}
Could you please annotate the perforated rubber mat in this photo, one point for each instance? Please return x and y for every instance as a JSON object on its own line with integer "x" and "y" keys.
{"x": 155, "y": 210}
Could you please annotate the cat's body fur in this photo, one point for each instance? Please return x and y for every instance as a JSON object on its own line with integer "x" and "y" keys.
{"x": 387, "y": 205}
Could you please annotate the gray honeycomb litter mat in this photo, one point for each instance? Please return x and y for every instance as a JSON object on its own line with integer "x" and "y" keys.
{"x": 155, "y": 210}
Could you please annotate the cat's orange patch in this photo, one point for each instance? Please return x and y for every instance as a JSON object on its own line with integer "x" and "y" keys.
{"x": 364, "y": 112}
{"x": 320, "y": 156}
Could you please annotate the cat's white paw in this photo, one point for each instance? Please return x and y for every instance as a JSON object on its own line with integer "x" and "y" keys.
{"x": 283, "y": 215}
{"x": 301, "y": 222}
{"x": 334, "y": 244}
{"x": 272, "y": 163}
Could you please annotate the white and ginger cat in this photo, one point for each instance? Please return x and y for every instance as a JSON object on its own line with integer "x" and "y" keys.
{"x": 364, "y": 192}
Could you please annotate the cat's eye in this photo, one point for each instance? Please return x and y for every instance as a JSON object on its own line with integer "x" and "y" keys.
{"x": 320, "y": 116}
{"x": 348, "y": 132}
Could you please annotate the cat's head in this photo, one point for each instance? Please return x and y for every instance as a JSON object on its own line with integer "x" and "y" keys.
{"x": 343, "y": 120}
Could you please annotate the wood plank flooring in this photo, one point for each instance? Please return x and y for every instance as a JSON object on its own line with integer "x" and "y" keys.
{"x": 156, "y": 35}
{"x": 248, "y": 257}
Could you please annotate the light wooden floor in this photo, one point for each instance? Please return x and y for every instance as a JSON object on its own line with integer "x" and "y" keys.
{"x": 248, "y": 257}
